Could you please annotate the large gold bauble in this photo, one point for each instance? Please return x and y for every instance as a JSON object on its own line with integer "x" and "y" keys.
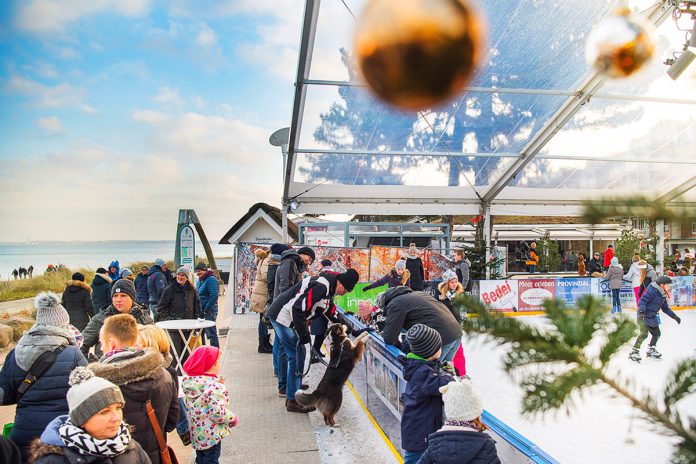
{"x": 417, "y": 54}
{"x": 620, "y": 44}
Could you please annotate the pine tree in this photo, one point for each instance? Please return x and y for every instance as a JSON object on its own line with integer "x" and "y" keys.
{"x": 562, "y": 364}
{"x": 477, "y": 255}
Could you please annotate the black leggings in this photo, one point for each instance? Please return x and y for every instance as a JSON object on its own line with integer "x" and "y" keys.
{"x": 644, "y": 330}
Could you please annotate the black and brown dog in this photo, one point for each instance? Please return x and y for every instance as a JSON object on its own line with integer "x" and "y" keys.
{"x": 328, "y": 396}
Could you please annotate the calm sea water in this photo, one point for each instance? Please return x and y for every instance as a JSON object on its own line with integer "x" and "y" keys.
{"x": 93, "y": 254}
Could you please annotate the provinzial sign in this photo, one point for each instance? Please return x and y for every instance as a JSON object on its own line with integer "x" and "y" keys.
{"x": 569, "y": 290}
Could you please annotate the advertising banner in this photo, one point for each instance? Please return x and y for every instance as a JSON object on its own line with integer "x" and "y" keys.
{"x": 681, "y": 291}
{"x": 628, "y": 298}
{"x": 350, "y": 302}
{"x": 384, "y": 377}
{"x": 342, "y": 259}
{"x": 532, "y": 293}
{"x": 569, "y": 290}
{"x": 499, "y": 295}
{"x": 383, "y": 258}
{"x": 245, "y": 275}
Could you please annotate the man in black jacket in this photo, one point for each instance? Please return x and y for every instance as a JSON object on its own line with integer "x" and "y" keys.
{"x": 404, "y": 308}
{"x": 308, "y": 299}
{"x": 292, "y": 265}
{"x": 179, "y": 301}
{"x": 140, "y": 376}
{"x": 280, "y": 359}
{"x": 595, "y": 266}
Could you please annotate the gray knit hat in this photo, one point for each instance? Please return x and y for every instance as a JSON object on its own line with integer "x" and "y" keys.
{"x": 184, "y": 270}
{"x": 89, "y": 394}
{"x": 124, "y": 286}
{"x": 423, "y": 340}
{"x": 49, "y": 311}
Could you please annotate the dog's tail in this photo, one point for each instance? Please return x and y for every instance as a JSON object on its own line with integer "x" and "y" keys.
{"x": 306, "y": 399}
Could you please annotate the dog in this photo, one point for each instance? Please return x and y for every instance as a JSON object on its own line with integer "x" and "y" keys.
{"x": 344, "y": 356}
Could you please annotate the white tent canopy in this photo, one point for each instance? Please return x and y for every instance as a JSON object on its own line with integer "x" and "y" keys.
{"x": 536, "y": 133}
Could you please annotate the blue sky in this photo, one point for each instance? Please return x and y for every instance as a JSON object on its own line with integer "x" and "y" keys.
{"x": 116, "y": 113}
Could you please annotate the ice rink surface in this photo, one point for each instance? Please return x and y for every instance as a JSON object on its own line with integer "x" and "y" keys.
{"x": 602, "y": 427}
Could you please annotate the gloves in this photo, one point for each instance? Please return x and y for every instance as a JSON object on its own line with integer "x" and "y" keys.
{"x": 678, "y": 319}
{"x": 357, "y": 332}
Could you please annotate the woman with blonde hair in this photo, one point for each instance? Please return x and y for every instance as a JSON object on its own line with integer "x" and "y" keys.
{"x": 151, "y": 336}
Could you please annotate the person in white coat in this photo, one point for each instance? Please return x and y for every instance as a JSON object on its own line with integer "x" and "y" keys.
{"x": 634, "y": 274}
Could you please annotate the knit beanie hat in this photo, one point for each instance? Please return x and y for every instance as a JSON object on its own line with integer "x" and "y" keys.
{"x": 184, "y": 270}
{"x": 101, "y": 270}
{"x": 663, "y": 280}
{"x": 448, "y": 275}
{"x": 400, "y": 264}
{"x": 348, "y": 279}
{"x": 49, "y": 311}
{"x": 412, "y": 250}
{"x": 201, "y": 266}
{"x": 124, "y": 286}
{"x": 126, "y": 272}
{"x": 307, "y": 252}
{"x": 160, "y": 262}
{"x": 614, "y": 261}
{"x": 279, "y": 248}
{"x": 201, "y": 360}
{"x": 461, "y": 401}
{"x": 423, "y": 340}
{"x": 89, "y": 394}
{"x": 326, "y": 262}
{"x": 78, "y": 276}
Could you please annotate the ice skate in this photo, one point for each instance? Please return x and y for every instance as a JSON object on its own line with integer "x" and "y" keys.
{"x": 635, "y": 355}
{"x": 653, "y": 353}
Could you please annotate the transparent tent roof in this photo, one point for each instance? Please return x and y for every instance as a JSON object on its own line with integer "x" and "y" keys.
{"x": 536, "y": 131}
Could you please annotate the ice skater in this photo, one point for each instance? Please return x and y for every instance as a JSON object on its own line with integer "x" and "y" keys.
{"x": 653, "y": 300}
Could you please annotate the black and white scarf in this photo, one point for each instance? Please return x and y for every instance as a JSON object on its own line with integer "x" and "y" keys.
{"x": 76, "y": 438}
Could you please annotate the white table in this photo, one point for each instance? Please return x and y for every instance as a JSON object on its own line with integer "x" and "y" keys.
{"x": 195, "y": 326}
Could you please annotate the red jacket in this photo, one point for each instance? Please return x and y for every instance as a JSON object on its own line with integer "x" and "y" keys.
{"x": 608, "y": 254}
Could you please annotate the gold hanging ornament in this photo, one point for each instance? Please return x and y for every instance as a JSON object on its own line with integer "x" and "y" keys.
{"x": 417, "y": 54}
{"x": 620, "y": 44}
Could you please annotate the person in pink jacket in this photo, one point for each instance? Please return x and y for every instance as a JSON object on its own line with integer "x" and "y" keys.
{"x": 207, "y": 404}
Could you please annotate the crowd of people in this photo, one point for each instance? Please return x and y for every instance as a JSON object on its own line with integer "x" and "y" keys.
{"x": 23, "y": 272}
{"x": 94, "y": 380}
{"x": 95, "y": 377}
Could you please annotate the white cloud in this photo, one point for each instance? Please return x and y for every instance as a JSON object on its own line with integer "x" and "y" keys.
{"x": 56, "y": 96}
{"x": 68, "y": 53}
{"x": 47, "y": 16}
{"x": 206, "y": 37}
{"x": 201, "y": 136}
{"x": 42, "y": 69}
{"x": 169, "y": 97}
{"x": 50, "y": 123}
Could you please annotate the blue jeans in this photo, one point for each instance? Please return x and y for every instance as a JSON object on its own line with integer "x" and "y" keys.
{"x": 280, "y": 362}
{"x": 288, "y": 338}
{"x": 449, "y": 350}
{"x": 263, "y": 330}
{"x": 615, "y": 300}
{"x": 182, "y": 425}
{"x": 532, "y": 268}
{"x": 412, "y": 457}
{"x": 153, "y": 310}
{"x": 211, "y": 332}
{"x": 210, "y": 455}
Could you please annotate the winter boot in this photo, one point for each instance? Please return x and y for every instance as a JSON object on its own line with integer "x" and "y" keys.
{"x": 613, "y": 309}
{"x": 635, "y": 355}
{"x": 618, "y": 308}
{"x": 267, "y": 342}
{"x": 294, "y": 406}
{"x": 653, "y": 353}
{"x": 263, "y": 347}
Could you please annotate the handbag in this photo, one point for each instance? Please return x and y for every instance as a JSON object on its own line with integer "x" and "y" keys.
{"x": 167, "y": 455}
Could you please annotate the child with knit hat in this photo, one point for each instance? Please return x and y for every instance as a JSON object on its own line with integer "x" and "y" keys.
{"x": 207, "y": 402}
{"x": 461, "y": 439}
{"x": 422, "y": 413}
{"x": 93, "y": 431}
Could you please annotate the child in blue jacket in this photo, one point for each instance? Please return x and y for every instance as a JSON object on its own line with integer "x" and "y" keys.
{"x": 422, "y": 399}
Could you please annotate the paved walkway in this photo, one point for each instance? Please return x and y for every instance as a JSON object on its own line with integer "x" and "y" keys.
{"x": 266, "y": 433}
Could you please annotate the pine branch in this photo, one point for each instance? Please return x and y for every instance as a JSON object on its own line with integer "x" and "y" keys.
{"x": 681, "y": 383}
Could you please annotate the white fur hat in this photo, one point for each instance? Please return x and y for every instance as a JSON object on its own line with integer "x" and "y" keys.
{"x": 461, "y": 401}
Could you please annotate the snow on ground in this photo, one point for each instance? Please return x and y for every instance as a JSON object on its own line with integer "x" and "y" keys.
{"x": 602, "y": 427}
{"x": 356, "y": 440}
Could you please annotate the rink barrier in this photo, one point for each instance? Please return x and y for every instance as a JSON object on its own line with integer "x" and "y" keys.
{"x": 379, "y": 384}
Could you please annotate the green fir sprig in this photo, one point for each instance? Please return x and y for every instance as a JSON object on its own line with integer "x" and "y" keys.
{"x": 558, "y": 362}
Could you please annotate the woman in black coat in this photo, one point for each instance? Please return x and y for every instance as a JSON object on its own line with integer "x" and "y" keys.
{"x": 77, "y": 300}
{"x": 415, "y": 266}
{"x": 101, "y": 290}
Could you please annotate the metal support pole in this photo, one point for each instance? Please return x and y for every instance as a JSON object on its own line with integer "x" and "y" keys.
{"x": 660, "y": 252}
{"x": 487, "y": 235}
{"x": 284, "y": 216}
{"x": 346, "y": 234}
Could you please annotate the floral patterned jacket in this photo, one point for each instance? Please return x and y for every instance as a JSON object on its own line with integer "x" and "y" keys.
{"x": 207, "y": 401}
